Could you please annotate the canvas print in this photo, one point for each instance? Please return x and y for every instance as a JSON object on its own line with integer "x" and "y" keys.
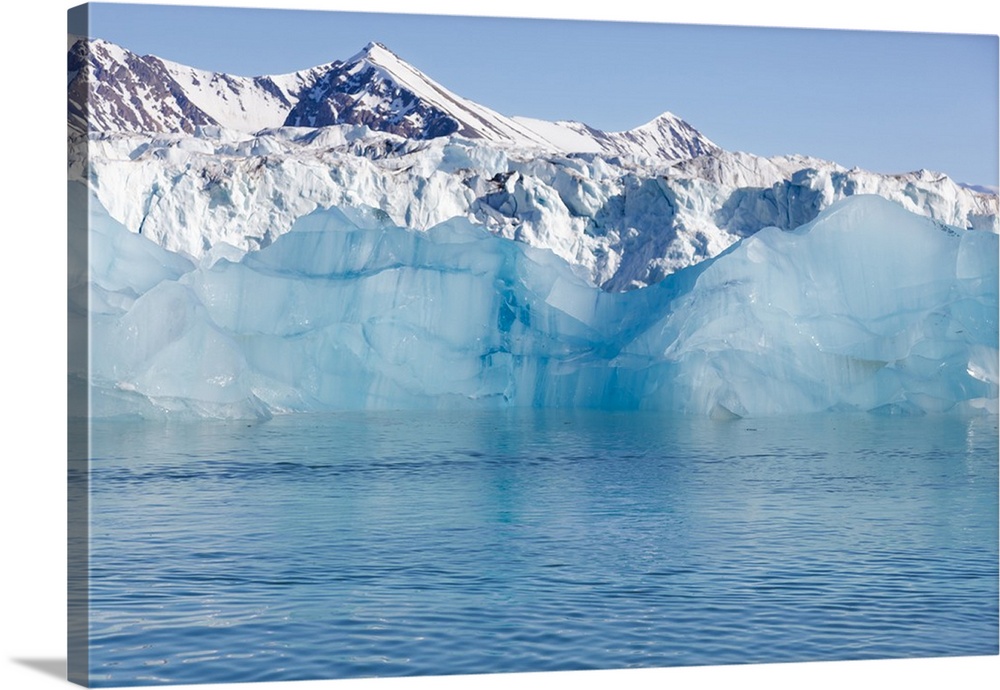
{"x": 407, "y": 345}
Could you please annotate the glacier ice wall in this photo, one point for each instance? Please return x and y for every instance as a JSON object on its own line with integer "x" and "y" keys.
{"x": 867, "y": 307}
{"x": 625, "y": 225}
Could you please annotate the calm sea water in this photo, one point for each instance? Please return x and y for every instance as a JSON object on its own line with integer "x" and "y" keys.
{"x": 349, "y": 545}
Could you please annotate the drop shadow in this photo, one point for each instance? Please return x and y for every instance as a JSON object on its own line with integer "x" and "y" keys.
{"x": 55, "y": 667}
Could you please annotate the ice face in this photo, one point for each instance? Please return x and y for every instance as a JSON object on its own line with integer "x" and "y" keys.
{"x": 626, "y": 225}
{"x": 868, "y": 307}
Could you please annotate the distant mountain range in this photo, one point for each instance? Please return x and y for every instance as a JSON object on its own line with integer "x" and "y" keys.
{"x": 376, "y": 88}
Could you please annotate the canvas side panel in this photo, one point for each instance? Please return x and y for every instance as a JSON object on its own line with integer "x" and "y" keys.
{"x": 78, "y": 358}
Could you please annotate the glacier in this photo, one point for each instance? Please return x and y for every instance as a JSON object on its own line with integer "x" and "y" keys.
{"x": 624, "y": 224}
{"x": 866, "y": 307}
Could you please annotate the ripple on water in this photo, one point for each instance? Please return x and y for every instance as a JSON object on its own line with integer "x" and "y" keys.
{"x": 355, "y": 545}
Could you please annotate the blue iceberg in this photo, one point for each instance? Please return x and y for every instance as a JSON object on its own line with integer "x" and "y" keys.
{"x": 867, "y": 307}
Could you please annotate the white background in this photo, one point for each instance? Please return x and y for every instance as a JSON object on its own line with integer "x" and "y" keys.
{"x": 32, "y": 160}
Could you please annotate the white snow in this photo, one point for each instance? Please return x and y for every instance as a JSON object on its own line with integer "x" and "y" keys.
{"x": 623, "y": 224}
{"x": 233, "y": 102}
{"x": 570, "y": 137}
{"x": 238, "y": 103}
{"x": 476, "y": 119}
{"x": 248, "y": 104}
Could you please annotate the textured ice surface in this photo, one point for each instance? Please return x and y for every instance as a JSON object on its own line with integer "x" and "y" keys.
{"x": 868, "y": 307}
{"x": 626, "y": 225}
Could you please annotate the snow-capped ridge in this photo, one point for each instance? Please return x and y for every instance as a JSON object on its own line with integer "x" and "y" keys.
{"x": 376, "y": 52}
{"x": 665, "y": 136}
{"x": 378, "y": 88}
{"x": 375, "y": 87}
{"x": 126, "y": 92}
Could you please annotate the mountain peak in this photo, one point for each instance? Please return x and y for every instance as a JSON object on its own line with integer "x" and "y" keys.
{"x": 393, "y": 68}
{"x": 375, "y": 88}
{"x": 374, "y": 52}
{"x": 145, "y": 93}
{"x": 379, "y": 89}
{"x": 663, "y": 121}
{"x": 667, "y": 136}
{"x": 665, "y": 116}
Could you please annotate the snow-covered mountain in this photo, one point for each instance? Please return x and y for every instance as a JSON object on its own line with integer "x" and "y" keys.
{"x": 377, "y": 88}
{"x": 211, "y": 165}
{"x": 125, "y": 92}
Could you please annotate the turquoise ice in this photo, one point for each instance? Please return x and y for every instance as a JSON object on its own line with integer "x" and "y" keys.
{"x": 868, "y": 307}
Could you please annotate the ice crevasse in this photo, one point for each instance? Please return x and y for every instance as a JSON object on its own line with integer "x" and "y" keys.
{"x": 867, "y": 307}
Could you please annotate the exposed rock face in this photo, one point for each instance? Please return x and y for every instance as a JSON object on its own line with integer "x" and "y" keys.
{"x": 361, "y": 92}
{"x": 125, "y": 92}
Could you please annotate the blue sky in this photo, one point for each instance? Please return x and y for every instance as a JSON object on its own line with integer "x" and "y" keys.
{"x": 885, "y": 101}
